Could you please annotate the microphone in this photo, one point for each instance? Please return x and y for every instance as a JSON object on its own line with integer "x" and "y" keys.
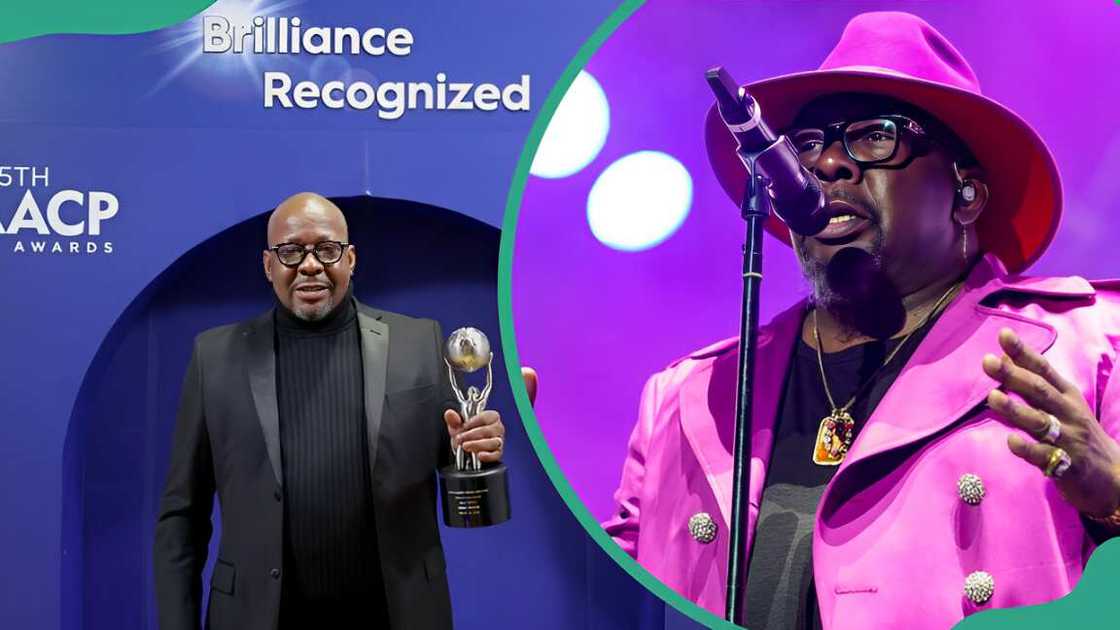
{"x": 795, "y": 193}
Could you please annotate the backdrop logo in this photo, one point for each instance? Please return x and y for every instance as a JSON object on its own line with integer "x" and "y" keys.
{"x": 60, "y": 222}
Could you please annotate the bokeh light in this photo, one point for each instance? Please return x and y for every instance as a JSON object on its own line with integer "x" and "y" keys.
{"x": 639, "y": 201}
{"x": 576, "y": 132}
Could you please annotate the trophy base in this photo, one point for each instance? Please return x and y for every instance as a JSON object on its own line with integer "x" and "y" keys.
{"x": 474, "y": 498}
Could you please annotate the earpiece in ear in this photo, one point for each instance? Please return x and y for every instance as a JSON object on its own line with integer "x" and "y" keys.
{"x": 968, "y": 193}
{"x": 965, "y": 188}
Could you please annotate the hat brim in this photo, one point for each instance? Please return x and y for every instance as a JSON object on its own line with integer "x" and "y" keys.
{"x": 1025, "y": 190}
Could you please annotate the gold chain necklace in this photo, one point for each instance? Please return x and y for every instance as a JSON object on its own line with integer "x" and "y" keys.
{"x": 834, "y": 437}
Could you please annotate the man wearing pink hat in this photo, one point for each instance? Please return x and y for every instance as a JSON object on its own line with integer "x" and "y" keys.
{"x": 933, "y": 434}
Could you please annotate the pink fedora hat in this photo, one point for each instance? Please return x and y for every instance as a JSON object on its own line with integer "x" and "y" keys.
{"x": 901, "y": 56}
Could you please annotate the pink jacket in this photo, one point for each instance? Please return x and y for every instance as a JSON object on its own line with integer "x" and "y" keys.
{"x": 893, "y": 540}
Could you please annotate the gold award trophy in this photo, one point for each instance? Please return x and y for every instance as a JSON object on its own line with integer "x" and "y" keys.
{"x": 472, "y": 496}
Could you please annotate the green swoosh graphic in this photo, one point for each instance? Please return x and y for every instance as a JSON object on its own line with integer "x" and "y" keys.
{"x": 21, "y": 19}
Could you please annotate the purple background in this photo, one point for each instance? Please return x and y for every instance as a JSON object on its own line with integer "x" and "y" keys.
{"x": 597, "y": 322}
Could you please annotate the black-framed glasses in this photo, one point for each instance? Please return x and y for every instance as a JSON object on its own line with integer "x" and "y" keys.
{"x": 292, "y": 254}
{"x": 869, "y": 141}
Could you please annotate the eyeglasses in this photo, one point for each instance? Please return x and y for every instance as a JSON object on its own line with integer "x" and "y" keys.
{"x": 292, "y": 254}
{"x": 871, "y": 141}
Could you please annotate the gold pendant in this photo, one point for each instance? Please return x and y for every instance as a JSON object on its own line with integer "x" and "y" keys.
{"x": 834, "y": 438}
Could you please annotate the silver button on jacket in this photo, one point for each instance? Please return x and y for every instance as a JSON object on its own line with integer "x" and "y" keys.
{"x": 971, "y": 489}
{"x": 979, "y": 587}
{"x": 702, "y": 527}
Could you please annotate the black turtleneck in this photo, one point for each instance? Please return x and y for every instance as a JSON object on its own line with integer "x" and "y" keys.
{"x": 332, "y": 569}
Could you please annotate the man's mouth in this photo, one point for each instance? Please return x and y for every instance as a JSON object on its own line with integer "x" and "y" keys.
{"x": 846, "y": 222}
{"x": 312, "y": 291}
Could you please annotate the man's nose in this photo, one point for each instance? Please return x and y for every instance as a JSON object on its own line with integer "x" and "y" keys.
{"x": 310, "y": 265}
{"x": 834, "y": 164}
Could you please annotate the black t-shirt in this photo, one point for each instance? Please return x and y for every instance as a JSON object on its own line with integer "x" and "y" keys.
{"x": 780, "y": 592}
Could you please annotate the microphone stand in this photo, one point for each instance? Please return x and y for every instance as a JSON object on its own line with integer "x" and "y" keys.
{"x": 755, "y": 209}
{"x": 773, "y": 173}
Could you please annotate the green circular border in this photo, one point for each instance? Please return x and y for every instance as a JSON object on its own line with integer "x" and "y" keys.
{"x": 509, "y": 346}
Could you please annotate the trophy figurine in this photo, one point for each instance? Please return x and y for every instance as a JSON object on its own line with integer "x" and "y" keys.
{"x": 472, "y": 496}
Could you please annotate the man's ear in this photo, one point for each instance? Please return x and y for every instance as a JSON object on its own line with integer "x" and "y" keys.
{"x": 352, "y": 258}
{"x": 971, "y": 196}
{"x": 267, "y": 262}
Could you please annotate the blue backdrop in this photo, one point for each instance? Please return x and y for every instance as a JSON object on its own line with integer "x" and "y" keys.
{"x": 97, "y": 343}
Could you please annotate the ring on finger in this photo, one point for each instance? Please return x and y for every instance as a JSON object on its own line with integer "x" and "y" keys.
{"x": 1053, "y": 430}
{"x": 1058, "y": 463}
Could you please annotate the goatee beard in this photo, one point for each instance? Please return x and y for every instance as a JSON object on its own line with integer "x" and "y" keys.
{"x": 315, "y": 314}
{"x": 856, "y": 291}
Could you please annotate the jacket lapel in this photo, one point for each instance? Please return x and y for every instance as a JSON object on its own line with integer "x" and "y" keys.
{"x": 943, "y": 381}
{"x": 375, "y": 363}
{"x": 708, "y": 409}
{"x": 262, "y": 382}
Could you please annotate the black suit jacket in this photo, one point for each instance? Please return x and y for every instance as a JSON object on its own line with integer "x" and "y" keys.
{"x": 227, "y": 440}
